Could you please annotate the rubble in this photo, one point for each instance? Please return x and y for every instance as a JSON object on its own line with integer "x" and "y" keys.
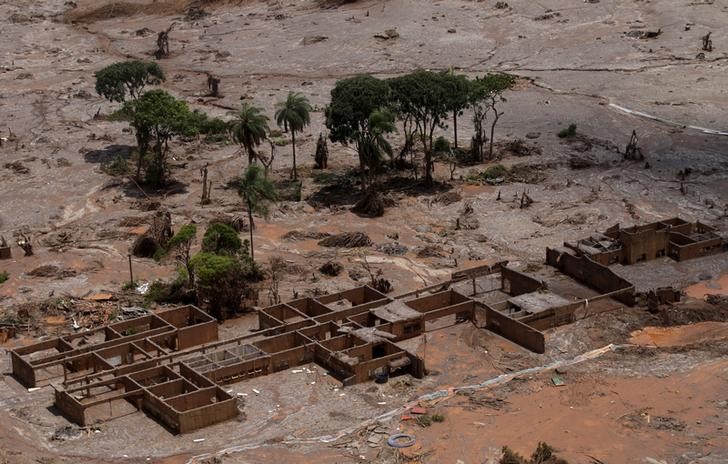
{"x": 347, "y": 240}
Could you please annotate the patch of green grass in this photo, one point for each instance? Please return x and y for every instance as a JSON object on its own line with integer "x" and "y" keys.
{"x": 128, "y": 286}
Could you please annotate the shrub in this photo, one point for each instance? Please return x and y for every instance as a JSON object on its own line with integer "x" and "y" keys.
{"x": 511, "y": 457}
{"x": 4, "y": 276}
{"x": 441, "y": 145}
{"x": 567, "y": 132}
{"x": 219, "y": 280}
{"x": 117, "y": 168}
{"x": 168, "y": 292}
{"x": 221, "y": 239}
{"x": 494, "y": 172}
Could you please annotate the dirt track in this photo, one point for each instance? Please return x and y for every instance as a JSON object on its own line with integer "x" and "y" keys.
{"x": 579, "y": 66}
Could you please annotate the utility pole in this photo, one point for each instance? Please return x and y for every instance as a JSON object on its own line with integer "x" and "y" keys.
{"x": 131, "y": 273}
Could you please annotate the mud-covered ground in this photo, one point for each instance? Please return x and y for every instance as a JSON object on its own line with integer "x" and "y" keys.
{"x": 580, "y": 62}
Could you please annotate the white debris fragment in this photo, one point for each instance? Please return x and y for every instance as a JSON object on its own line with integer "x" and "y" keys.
{"x": 257, "y": 392}
{"x": 198, "y": 440}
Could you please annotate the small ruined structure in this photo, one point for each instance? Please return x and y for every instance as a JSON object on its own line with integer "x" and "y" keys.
{"x": 675, "y": 238}
{"x": 5, "y": 251}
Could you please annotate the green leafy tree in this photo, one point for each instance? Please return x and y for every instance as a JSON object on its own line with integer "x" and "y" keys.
{"x": 294, "y": 113}
{"x": 353, "y": 100}
{"x": 219, "y": 281}
{"x": 485, "y": 93}
{"x": 181, "y": 244}
{"x": 118, "y": 81}
{"x": 257, "y": 191}
{"x": 423, "y": 96}
{"x": 458, "y": 90}
{"x": 221, "y": 239}
{"x": 250, "y": 128}
{"x": 128, "y": 78}
{"x": 159, "y": 117}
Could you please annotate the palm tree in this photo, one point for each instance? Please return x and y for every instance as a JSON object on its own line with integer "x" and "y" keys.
{"x": 374, "y": 145}
{"x": 256, "y": 191}
{"x": 294, "y": 113}
{"x": 250, "y": 128}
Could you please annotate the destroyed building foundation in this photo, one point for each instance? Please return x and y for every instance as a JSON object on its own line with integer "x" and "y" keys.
{"x": 171, "y": 365}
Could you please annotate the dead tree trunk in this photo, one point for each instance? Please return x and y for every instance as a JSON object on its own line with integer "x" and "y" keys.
{"x": 633, "y": 151}
{"x": 213, "y": 84}
{"x": 163, "y": 43}
{"x": 707, "y": 43}
{"x": 322, "y": 153}
{"x": 205, "y": 186}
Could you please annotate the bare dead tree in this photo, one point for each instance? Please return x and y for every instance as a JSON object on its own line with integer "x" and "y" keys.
{"x": 322, "y": 153}
{"x": 213, "y": 85}
{"x": 633, "y": 151}
{"x": 163, "y": 43}
{"x": 206, "y": 186}
{"x": 276, "y": 268}
{"x": 267, "y": 162}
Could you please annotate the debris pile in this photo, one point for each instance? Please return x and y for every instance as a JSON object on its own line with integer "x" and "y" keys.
{"x": 347, "y": 240}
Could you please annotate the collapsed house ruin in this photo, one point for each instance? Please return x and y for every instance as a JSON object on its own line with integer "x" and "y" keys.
{"x": 675, "y": 238}
{"x": 171, "y": 365}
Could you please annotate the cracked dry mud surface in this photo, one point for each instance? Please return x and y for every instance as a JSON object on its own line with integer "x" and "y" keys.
{"x": 580, "y": 66}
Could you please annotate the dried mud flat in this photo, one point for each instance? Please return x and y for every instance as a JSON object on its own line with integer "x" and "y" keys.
{"x": 581, "y": 66}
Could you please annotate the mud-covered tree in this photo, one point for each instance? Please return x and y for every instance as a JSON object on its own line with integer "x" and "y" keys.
{"x": 457, "y": 89}
{"x": 294, "y": 113}
{"x": 181, "y": 245}
{"x": 256, "y": 191}
{"x": 353, "y": 100}
{"x": 485, "y": 94}
{"x": 127, "y": 79}
{"x": 249, "y": 129}
{"x": 159, "y": 117}
{"x": 321, "y": 158}
{"x": 423, "y": 96}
